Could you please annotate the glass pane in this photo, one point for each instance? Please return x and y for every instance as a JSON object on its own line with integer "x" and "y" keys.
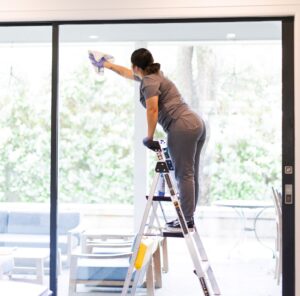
{"x": 25, "y": 106}
{"x": 96, "y": 138}
{"x": 230, "y": 73}
{"x": 236, "y": 87}
{"x": 96, "y": 129}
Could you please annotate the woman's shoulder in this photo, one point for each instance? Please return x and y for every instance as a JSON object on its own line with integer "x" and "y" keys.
{"x": 153, "y": 77}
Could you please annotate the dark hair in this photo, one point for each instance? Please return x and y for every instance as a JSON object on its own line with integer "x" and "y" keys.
{"x": 143, "y": 58}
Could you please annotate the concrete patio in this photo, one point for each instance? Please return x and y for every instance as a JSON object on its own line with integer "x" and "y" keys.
{"x": 243, "y": 265}
{"x": 246, "y": 270}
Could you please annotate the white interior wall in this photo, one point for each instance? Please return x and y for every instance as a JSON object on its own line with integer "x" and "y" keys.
{"x": 36, "y": 10}
{"x": 118, "y": 9}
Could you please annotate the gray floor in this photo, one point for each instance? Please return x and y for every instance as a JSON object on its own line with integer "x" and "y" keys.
{"x": 242, "y": 268}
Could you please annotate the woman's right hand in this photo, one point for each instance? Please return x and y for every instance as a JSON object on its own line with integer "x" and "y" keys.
{"x": 104, "y": 63}
{"x": 98, "y": 64}
{"x": 151, "y": 144}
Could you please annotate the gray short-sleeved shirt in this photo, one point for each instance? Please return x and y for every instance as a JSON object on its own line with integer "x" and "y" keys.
{"x": 170, "y": 102}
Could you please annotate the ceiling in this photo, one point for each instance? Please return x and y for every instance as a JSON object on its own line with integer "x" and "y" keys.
{"x": 218, "y": 31}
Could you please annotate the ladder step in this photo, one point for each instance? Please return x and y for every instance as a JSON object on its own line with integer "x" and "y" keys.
{"x": 175, "y": 232}
{"x": 160, "y": 198}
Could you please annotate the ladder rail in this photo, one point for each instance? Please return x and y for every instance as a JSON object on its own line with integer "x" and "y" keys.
{"x": 203, "y": 255}
{"x": 139, "y": 236}
{"x": 187, "y": 236}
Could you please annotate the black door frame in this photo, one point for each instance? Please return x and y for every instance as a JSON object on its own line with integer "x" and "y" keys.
{"x": 288, "y": 158}
{"x": 288, "y": 133}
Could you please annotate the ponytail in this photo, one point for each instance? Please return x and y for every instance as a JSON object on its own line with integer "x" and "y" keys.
{"x": 152, "y": 68}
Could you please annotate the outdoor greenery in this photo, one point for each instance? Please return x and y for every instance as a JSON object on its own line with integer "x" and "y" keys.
{"x": 246, "y": 159}
{"x": 24, "y": 143}
{"x": 237, "y": 94}
{"x": 237, "y": 90}
{"x": 96, "y": 139}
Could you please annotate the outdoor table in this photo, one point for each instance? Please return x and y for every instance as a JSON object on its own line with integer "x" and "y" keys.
{"x": 37, "y": 255}
{"x": 239, "y": 206}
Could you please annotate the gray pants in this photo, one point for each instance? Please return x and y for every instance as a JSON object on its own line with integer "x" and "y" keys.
{"x": 185, "y": 141}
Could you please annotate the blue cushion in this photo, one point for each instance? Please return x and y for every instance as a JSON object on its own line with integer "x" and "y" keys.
{"x": 102, "y": 273}
{"x": 3, "y": 221}
{"x": 32, "y": 241}
{"x": 39, "y": 222}
{"x": 28, "y": 223}
{"x": 102, "y": 269}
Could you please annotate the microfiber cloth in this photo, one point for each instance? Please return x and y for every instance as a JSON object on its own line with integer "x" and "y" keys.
{"x": 95, "y": 58}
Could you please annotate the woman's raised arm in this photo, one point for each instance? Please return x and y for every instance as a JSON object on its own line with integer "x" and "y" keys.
{"x": 122, "y": 71}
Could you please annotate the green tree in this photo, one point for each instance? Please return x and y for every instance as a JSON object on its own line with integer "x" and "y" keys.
{"x": 96, "y": 130}
{"x": 228, "y": 87}
{"x": 24, "y": 144}
{"x": 247, "y": 144}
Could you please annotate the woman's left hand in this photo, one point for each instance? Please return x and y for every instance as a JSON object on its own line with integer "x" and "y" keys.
{"x": 148, "y": 142}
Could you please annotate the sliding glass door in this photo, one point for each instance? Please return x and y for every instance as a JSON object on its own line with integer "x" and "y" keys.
{"x": 231, "y": 73}
{"x": 96, "y": 135}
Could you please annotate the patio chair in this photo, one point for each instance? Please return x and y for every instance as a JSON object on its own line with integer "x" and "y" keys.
{"x": 104, "y": 243}
{"x": 278, "y": 239}
{"x": 6, "y": 263}
{"x": 106, "y": 268}
{"x": 114, "y": 242}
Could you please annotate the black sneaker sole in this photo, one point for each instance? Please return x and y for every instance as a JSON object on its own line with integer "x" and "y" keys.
{"x": 177, "y": 226}
{"x": 171, "y": 222}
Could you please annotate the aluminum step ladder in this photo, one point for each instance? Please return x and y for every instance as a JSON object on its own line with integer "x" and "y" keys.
{"x": 203, "y": 269}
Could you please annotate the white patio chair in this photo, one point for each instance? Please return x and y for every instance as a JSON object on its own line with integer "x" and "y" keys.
{"x": 278, "y": 239}
{"x": 106, "y": 270}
